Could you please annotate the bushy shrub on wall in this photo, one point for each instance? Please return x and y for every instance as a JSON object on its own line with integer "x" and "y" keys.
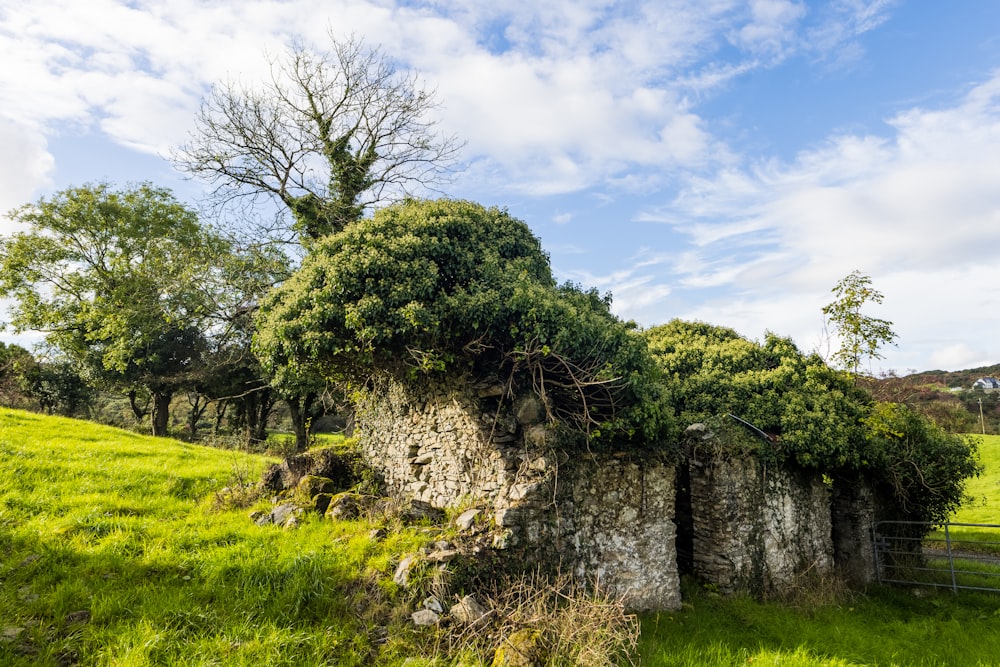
{"x": 814, "y": 412}
{"x": 815, "y": 416}
{"x": 452, "y": 286}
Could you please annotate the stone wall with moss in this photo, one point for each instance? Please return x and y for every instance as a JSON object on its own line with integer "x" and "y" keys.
{"x": 757, "y": 529}
{"x": 606, "y": 518}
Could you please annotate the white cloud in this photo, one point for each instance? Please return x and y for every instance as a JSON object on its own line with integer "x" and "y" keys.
{"x": 915, "y": 210}
{"x": 26, "y": 168}
{"x": 555, "y": 97}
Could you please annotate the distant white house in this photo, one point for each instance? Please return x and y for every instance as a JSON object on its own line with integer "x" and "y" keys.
{"x": 986, "y": 384}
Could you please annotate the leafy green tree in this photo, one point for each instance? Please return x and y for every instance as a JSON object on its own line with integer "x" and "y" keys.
{"x": 861, "y": 336}
{"x": 428, "y": 286}
{"x": 331, "y": 134}
{"x": 119, "y": 281}
{"x": 57, "y": 388}
{"x": 15, "y": 361}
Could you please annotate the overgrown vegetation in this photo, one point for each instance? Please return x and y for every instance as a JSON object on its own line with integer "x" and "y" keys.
{"x": 431, "y": 286}
{"x": 813, "y": 416}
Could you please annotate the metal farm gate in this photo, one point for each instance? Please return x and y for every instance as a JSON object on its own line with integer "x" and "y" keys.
{"x": 952, "y": 555}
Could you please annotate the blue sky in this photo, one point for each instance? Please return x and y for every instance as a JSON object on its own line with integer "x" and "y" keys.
{"x": 716, "y": 160}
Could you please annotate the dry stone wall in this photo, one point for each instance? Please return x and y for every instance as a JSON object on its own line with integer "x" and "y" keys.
{"x": 607, "y": 519}
{"x": 757, "y": 529}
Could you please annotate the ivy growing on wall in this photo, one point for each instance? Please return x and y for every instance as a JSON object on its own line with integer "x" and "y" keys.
{"x": 812, "y": 415}
{"x": 452, "y": 286}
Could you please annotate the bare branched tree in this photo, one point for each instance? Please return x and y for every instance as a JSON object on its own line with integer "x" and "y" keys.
{"x": 330, "y": 135}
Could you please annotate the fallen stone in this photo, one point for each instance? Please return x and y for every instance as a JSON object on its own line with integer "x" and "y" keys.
{"x": 419, "y": 511}
{"x": 433, "y": 604}
{"x": 402, "y": 575}
{"x": 281, "y": 513}
{"x": 522, "y": 649}
{"x": 321, "y": 501}
{"x": 466, "y": 519}
{"x": 81, "y": 616}
{"x": 444, "y": 556}
{"x": 425, "y": 617}
{"x": 468, "y": 611}
{"x": 338, "y": 466}
{"x": 345, "y": 507}
{"x": 10, "y": 634}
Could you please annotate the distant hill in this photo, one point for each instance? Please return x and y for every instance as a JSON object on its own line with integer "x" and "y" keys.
{"x": 930, "y": 393}
{"x": 963, "y": 379}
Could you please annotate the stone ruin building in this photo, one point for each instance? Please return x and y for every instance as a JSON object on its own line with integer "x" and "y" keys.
{"x": 630, "y": 522}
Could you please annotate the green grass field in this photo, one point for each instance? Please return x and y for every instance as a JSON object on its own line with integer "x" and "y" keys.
{"x": 984, "y": 506}
{"x": 113, "y": 552}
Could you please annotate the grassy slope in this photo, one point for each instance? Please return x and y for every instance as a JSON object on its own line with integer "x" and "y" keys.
{"x": 984, "y": 490}
{"x": 121, "y": 526}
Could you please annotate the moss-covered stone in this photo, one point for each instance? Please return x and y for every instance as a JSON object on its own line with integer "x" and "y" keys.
{"x": 524, "y": 648}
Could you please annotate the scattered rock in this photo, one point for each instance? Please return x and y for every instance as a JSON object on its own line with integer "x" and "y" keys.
{"x": 522, "y": 649}
{"x": 291, "y": 522}
{"x": 468, "y": 611}
{"x": 467, "y": 519}
{"x": 433, "y": 604}
{"x": 347, "y": 506}
{"x": 29, "y": 560}
{"x": 376, "y": 534}
{"x": 278, "y": 516}
{"x": 402, "y": 574}
{"x": 321, "y": 502}
{"x": 419, "y": 511}
{"x": 311, "y": 485}
{"x": 425, "y": 617}
{"x": 342, "y": 468}
{"x": 25, "y": 595}
{"x": 10, "y": 634}
{"x": 443, "y": 556}
{"x": 81, "y": 616}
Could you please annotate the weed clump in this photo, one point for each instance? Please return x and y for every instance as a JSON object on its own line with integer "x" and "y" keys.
{"x": 530, "y": 619}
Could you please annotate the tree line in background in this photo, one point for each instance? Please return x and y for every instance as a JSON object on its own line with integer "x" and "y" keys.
{"x": 139, "y": 298}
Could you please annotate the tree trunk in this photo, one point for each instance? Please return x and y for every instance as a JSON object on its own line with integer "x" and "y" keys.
{"x": 161, "y": 413}
{"x": 138, "y": 410}
{"x": 199, "y": 404}
{"x": 299, "y": 409}
{"x": 258, "y": 406}
{"x": 220, "y": 414}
